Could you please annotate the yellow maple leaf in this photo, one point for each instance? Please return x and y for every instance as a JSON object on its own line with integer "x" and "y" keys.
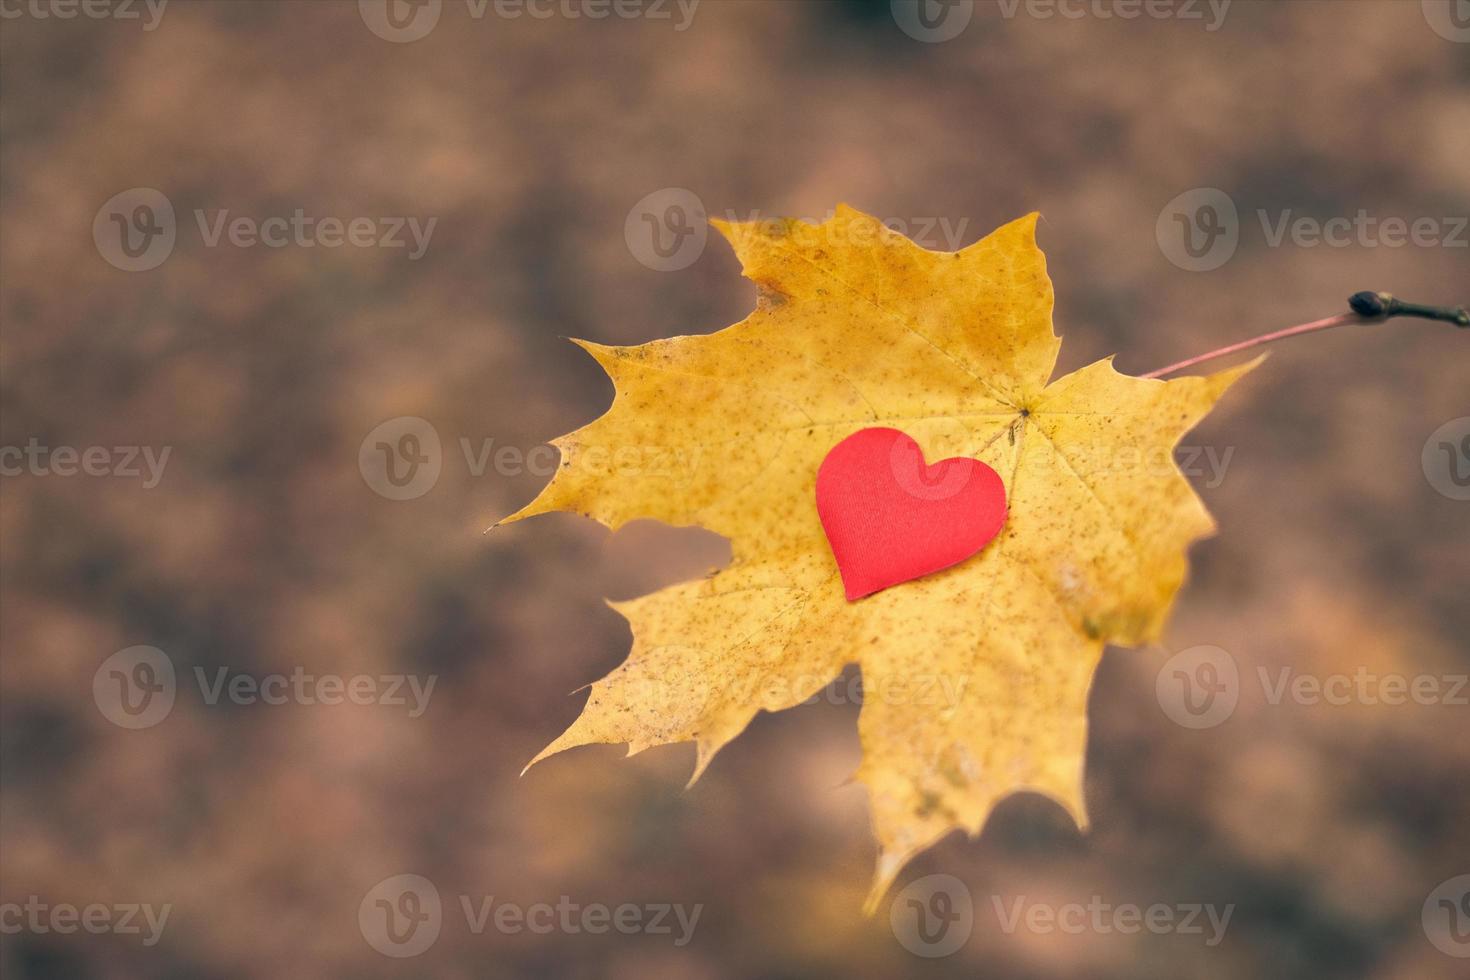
{"x": 975, "y": 677}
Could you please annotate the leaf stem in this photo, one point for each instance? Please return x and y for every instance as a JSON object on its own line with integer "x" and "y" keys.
{"x": 1367, "y": 308}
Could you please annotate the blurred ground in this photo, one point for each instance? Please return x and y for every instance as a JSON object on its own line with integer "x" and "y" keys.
{"x": 263, "y": 549}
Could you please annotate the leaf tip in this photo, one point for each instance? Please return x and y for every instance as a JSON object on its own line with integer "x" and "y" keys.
{"x": 890, "y": 864}
{"x": 536, "y": 507}
{"x": 704, "y": 754}
{"x": 1025, "y": 226}
{"x": 1222, "y": 381}
{"x": 544, "y": 753}
{"x": 731, "y": 231}
{"x": 569, "y": 739}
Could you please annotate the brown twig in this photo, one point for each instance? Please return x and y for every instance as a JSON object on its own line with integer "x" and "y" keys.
{"x": 1367, "y": 308}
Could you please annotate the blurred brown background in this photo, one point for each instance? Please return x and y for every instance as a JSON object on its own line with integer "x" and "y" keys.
{"x": 265, "y": 546}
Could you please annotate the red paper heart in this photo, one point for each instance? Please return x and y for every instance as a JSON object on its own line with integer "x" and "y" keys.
{"x": 890, "y": 518}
